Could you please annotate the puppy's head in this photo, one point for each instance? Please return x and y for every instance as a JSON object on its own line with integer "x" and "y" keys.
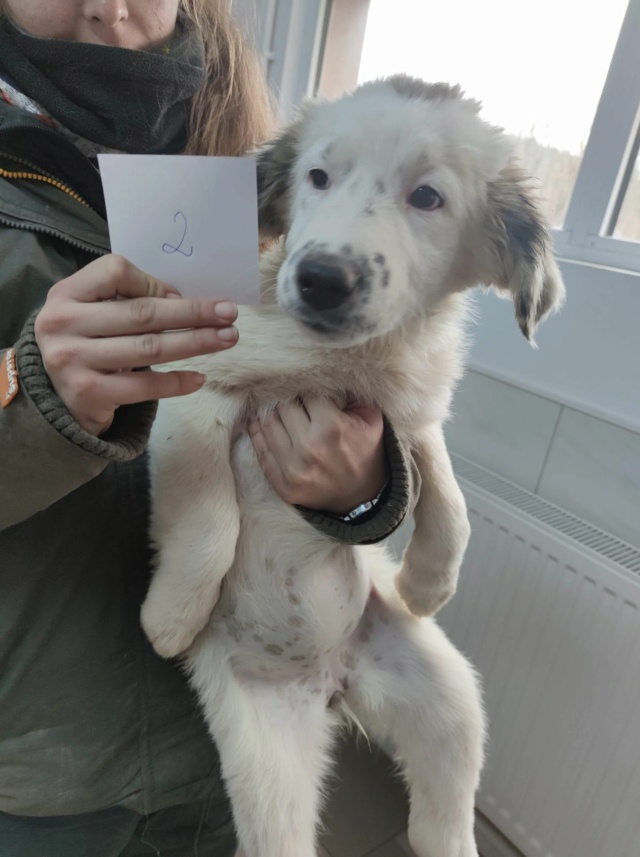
{"x": 393, "y": 198}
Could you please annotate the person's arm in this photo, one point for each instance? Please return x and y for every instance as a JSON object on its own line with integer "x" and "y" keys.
{"x": 327, "y": 462}
{"x": 395, "y": 503}
{"x": 45, "y": 453}
{"x": 80, "y": 403}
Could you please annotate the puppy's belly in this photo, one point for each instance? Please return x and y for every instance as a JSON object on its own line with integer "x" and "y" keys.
{"x": 282, "y": 618}
{"x": 293, "y": 596}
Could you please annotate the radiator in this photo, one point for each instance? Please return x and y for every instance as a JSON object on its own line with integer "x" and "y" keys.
{"x": 548, "y": 611}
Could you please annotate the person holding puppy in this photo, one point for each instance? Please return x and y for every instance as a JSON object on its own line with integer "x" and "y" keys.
{"x": 102, "y": 749}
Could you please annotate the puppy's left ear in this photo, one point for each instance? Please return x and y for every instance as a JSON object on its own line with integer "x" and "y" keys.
{"x": 275, "y": 163}
{"x": 521, "y": 260}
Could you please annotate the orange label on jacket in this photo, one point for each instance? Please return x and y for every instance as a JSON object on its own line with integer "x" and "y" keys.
{"x": 8, "y": 378}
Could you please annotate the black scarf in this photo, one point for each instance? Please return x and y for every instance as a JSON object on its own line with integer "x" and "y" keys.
{"x": 134, "y": 101}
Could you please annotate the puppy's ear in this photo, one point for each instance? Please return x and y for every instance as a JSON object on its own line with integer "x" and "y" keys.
{"x": 521, "y": 260}
{"x": 275, "y": 165}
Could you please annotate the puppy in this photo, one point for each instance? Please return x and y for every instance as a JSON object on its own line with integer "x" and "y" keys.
{"x": 393, "y": 202}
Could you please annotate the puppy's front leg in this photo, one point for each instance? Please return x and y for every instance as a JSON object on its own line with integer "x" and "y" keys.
{"x": 195, "y": 516}
{"x": 431, "y": 562}
{"x": 272, "y": 345}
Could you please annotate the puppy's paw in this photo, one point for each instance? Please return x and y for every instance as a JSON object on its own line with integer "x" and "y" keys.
{"x": 428, "y": 577}
{"x": 172, "y": 619}
{"x": 168, "y": 637}
{"x": 423, "y": 590}
{"x": 427, "y": 839}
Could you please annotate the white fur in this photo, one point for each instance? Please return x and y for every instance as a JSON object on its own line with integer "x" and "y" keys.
{"x": 303, "y": 627}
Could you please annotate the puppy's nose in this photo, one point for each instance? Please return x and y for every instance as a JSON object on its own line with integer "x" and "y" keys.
{"x": 321, "y": 285}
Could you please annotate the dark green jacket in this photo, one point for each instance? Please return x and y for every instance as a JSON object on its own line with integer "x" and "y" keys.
{"x": 90, "y": 717}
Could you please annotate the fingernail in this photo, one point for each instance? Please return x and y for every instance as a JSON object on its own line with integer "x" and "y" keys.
{"x": 174, "y": 296}
{"x": 228, "y": 334}
{"x": 227, "y": 310}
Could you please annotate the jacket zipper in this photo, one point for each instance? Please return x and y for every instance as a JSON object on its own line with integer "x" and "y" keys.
{"x": 38, "y": 175}
{"x": 45, "y": 230}
{"x": 41, "y": 175}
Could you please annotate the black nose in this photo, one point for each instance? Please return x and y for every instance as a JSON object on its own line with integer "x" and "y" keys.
{"x": 321, "y": 285}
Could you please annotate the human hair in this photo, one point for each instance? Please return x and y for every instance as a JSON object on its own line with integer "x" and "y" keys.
{"x": 232, "y": 113}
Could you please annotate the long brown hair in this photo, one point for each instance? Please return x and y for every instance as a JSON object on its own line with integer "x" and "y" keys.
{"x": 232, "y": 114}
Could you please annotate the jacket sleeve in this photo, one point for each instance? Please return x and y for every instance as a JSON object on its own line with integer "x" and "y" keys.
{"x": 44, "y": 453}
{"x": 397, "y": 501}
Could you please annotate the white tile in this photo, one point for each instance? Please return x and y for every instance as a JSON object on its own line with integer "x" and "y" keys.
{"x": 501, "y": 427}
{"x": 593, "y": 470}
{"x": 367, "y": 803}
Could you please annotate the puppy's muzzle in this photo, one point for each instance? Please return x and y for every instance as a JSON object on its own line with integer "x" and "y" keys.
{"x": 322, "y": 285}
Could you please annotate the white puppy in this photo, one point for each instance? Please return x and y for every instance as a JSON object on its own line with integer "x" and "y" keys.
{"x": 393, "y": 201}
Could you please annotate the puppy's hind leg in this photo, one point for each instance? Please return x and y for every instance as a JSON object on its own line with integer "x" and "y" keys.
{"x": 274, "y": 740}
{"x": 410, "y": 685}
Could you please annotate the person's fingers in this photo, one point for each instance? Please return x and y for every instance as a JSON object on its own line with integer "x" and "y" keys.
{"x": 150, "y": 315}
{"x": 95, "y": 397}
{"x": 296, "y": 420}
{"x": 129, "y": 388}
{"x": 269, "y": 463}
{"x": 110, "y": 277}
{"x": 150, "y": 349}
{"x": 278, "y": 438}
{"x": 321, "y": 411}
{"x": 369, "y": 414}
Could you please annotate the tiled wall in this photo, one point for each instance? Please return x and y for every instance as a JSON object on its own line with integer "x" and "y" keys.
{"x": 581, "y": 463}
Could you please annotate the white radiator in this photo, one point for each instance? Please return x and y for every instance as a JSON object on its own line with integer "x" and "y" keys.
{"x": 548, "y": 609}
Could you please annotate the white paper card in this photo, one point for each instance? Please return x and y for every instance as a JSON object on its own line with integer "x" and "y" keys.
{"x": 190, "y": 221}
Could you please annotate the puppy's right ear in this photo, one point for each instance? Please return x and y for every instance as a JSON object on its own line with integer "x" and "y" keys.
{"x": 275, "y": 165}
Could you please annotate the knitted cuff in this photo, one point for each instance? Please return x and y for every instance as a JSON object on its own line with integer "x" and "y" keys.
{"x": 126, "y": 438}
{"x": 386, "y": 516}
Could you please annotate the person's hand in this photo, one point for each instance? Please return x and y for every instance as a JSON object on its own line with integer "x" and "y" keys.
{"x": 109, "y": 319}
{"x": 316, "y": 455}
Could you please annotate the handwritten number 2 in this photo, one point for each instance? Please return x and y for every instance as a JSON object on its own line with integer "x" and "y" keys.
{"x": 169, "y": 248}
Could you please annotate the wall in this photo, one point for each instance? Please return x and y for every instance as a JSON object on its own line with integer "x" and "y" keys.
{"x": 589, "y": 353}
{"x": 584, "y": 464}
{"x": 562, "y": 421}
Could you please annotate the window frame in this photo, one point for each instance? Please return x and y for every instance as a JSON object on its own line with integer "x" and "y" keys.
{"x": 289, "y": 36}
{"x": 607, "y": 162}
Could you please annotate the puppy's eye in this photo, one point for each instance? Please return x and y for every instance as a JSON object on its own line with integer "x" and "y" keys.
{"x": 426, "y": 198}
{"x": 319, "y": 179}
